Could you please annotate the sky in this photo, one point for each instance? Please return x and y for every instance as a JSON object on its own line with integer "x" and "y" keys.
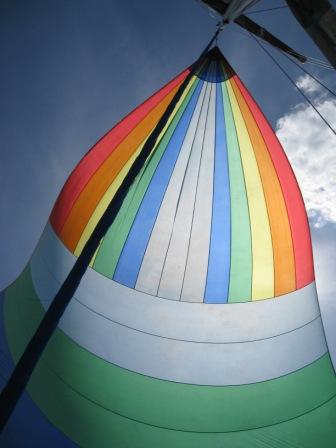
{"x": 72, "y": 68}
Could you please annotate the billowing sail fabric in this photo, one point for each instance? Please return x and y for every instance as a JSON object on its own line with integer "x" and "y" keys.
{"x": 216, "y": 206}
{"x": 197, "y": 324}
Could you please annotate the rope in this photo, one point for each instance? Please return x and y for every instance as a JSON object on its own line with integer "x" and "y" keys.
{"x": 294, "y": 84}
{"x": 320, "y": 65}
{"x": 309, "y": 74}
{"x": 310, "y": 60}
{"x": 22, "y": 372}
{"x": 315, "y": 61}
{"x": 294, "y": 62}
{"x": 266, "y": 10}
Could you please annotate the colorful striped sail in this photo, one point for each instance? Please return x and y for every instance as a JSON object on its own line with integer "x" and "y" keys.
{"x": 169, "y": 340}
{"x": 216, "y": 205}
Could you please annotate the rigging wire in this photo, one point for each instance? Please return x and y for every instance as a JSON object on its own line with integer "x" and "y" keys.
{"x": 319, "y": 60}
{"x": 309, "y": 74}
{"x": 298, "y": 65}
{"x": 326, "y": 67}
{"x": 310, "y": 60}
{"x": 257, "y": 11}
{"x": 315, "y": 61}
{"x": 294, "y": 84}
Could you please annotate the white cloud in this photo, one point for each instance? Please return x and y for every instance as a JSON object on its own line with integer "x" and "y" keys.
{"x": 311, "y": 148}
{"x": 308, "y": 85}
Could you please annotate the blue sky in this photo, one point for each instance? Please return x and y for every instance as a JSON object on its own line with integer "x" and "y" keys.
{"x": 72, "y": 68}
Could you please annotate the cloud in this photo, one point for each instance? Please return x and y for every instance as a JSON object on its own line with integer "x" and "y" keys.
{"x": 311, "y": 148}
{"x": 308, "y": 85}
